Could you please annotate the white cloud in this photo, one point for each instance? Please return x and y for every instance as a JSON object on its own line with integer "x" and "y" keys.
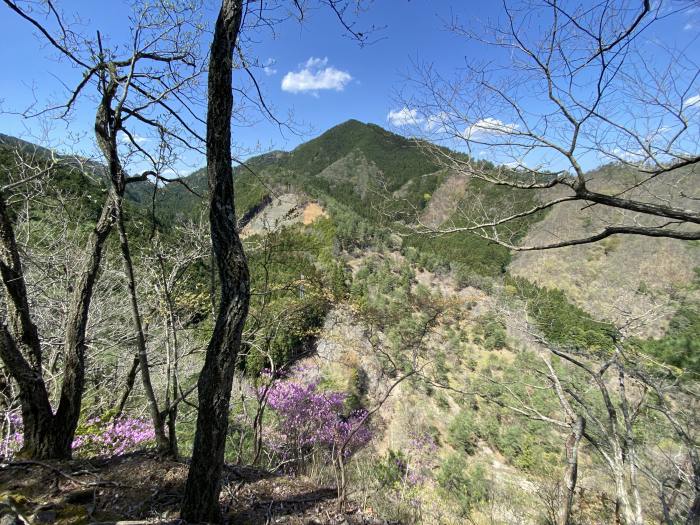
{"x": 437, "y": 122}
{"x": 692, "y": 101}
{"x": 268, "y": 68}
{"x": 316, "y": 63}
{"x": 637, "y": 155}
{"x": 403, "y": 117}
{"x": 138, "y": 139}
{"x": 688, "y": 26}
{"x": 314, "y": 76}
{"x": 489, "y": 126}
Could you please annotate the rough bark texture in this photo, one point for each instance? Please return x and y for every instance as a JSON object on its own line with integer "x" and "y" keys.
{"x": 75, "y": 345}
{"x": 46, "y": 435}
{"x": 201, "y": 501}
{"x": 571, "y": 475}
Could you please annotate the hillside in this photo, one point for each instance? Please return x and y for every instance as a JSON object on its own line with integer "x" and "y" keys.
{"x": 422, "y": 356}
{"x": 622, "y": 277}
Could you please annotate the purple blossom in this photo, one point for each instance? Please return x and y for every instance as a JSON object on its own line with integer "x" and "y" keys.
{"x": 421, "y": 450}
{"x": 94, "y": 437}
{"x": 309, "y": 419}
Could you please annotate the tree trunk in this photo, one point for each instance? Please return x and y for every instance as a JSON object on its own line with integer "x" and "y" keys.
{"x": 46, "y": 435}
{"x": 201, "y": 501}
{"x": 572, "y": 446}
{"x": 162, "y": 443}
{"x": 130, "y": 380}
{"x": 40, "y": 440}
{"x": 75, "y": 346}
{"x": 173, "y": 356}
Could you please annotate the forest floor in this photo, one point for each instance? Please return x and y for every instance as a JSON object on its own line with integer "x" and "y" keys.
{"x": 140, "y": 488}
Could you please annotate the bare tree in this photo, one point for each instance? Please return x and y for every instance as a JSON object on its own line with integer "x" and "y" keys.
{"x": 569, "y": 87}
{"x": 132, "y": 89}
{"x": 201, "y": 501}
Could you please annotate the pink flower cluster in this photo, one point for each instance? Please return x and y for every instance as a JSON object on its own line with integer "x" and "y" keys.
{"x": 113, "y": 437}
{"x": 312, "y": 419}
{"x": 12, "y": 438}
{"x": 94, "y": 437}
{"x": 422, "y": 451}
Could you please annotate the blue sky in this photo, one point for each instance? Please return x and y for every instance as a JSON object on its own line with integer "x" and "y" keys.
{"x": 314, "y": 71}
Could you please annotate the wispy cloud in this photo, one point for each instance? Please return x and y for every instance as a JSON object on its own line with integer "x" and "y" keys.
{"x": 692, "y": 101}
{"x": 489, "y": 126}
{"x": 404, "y": 117}
{"x": 315, "y": 75}
{"x": 438, "y": 122}
{"x": 268, "y": 67}
{"x": 138, "y": 139}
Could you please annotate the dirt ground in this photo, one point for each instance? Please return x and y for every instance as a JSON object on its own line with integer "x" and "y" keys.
{"x": 139, "y": 488}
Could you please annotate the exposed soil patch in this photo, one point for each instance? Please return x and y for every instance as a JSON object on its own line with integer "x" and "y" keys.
{"x": 141, "y": 488}
{"x": 312, "y": 211}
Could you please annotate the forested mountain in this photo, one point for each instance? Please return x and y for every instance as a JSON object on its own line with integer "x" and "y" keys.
{"x": 421, "y": 357}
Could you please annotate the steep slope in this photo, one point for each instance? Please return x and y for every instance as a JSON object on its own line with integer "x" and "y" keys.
{"x": 74, "y": 175}
{"x": 625, "y": 278}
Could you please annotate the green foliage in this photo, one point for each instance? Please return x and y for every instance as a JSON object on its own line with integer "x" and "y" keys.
{"x": 462, "y": 432}
{"x": 561, "y": 322}
{"x": 491, "y": 332}
{"x": 391, "y": 470}
{"x": 292, "y": 292}
{"x": 465, "y": 251}
{"x": 680, "y": 346}
{"x": 466, "y": 486}
{"x": 398, "y": 158}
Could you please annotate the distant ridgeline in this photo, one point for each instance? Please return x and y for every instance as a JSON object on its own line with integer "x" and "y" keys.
{"x": 370, "y": 183}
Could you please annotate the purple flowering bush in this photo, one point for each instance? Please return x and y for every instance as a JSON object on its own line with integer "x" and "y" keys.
{"x": 310, "y": 420}
{"x": 12, "y": 434}
{"x": 108, "y": 437}
{"x": 411, "y": 467}
{"x": 95, "y": 437}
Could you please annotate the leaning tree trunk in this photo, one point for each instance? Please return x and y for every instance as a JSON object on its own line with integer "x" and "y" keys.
{"x": 68, "y": 413}
{"x": 571, "y": 475}
{"x": 201, "y": 501}
{"x": 48, "y": 435}
{"x": 162, "y": 442}
{"x": 20, "y": 348}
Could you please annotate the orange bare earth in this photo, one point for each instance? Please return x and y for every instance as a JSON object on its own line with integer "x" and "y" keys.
{"x": 312, "y": 211}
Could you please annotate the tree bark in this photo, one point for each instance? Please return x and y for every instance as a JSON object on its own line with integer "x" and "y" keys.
{"x": 570, "y": 478}
{"x": 173, "y": 356}
{"x": 162, "y": 442}
{"x": 201, "y": 501}
{"x": 75, "y": 346}
{"x": 130, "y": 380}
{"x": 46, "y": 435}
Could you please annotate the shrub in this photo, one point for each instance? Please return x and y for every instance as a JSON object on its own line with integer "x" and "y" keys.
{"x": 94, "y": 437}
{"x": 464, "y": 486}
{"x": 462, "y": 432}
{"x": 310, "y": 420}
{"x": 491, "y": 331}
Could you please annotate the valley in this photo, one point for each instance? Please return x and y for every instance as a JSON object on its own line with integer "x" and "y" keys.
{"x": 440, "y": 339}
